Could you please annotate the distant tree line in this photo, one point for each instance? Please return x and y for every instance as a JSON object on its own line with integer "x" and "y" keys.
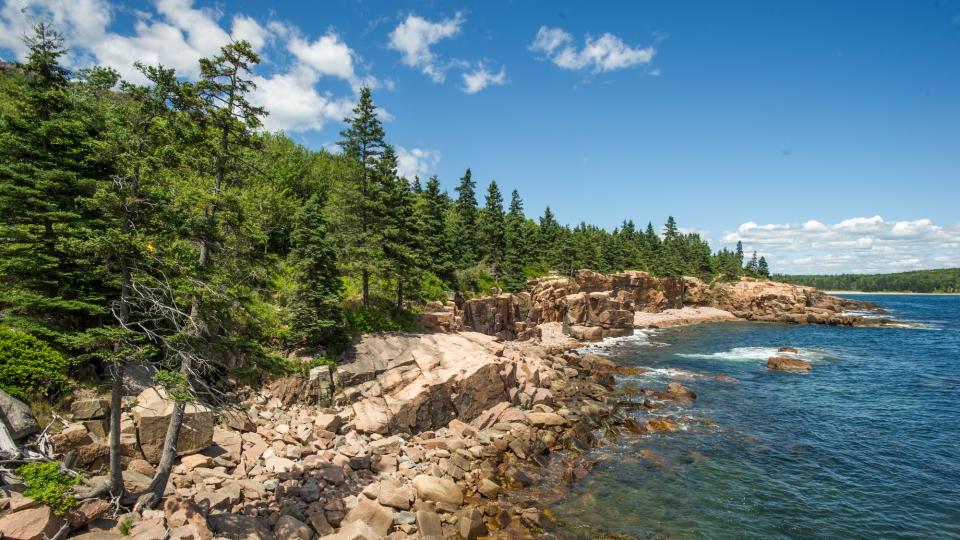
{"x": 920, "y": 281}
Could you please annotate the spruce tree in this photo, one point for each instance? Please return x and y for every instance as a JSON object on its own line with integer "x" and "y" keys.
{"x": 399, "y": 232}
{"x": 762, "y": 268}
{"x": 224, "y": 122}
{"x": 359, "y": 205}
{"x": 516, "y": 246}
{"x": 49, "y": 286}
{"x": 739, "y": 252}
{"x": 315, "y": 305}
{"x": 549, "y": 239}
{"x": 431, "y": 228}
{"x": 492, "y": 228}
{"x": 465, "y": 233}
{"x": 753, "y": 266}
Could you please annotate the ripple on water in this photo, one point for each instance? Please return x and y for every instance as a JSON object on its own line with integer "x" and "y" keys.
{"x": 864, "y": 446}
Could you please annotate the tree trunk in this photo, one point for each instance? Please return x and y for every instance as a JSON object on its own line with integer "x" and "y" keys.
{"x": 366, "y": 288}
{"x": 399, "y": 294}
{"x": 116, "y": 395}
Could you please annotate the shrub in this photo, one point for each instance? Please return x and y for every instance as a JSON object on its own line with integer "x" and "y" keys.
{"x": 46, "y": 484}
{"x": 361, "y": 320}
{"x": 30, "y": 367}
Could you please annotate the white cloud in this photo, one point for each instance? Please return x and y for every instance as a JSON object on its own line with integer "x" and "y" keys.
{"x": 414, "y": 37}
{"x": 177, "y": 34}
{"x": 605, "y": 53}
{"x": 416, "y": 162}
{"x": 478, "y": 79}
{"x": 859, "y": 245}
{"x": 327, "y": 55}
{"x": 295, "y": 104}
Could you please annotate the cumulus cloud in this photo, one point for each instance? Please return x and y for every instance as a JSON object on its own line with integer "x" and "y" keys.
{"x": 856, "y": 245}
{"x": 605, "y": 53}
{"x": 478, "y": 79}
{"x": 416, "y": 162}
{"x": 414, "y": 37}
{"x": 177, "y": 34}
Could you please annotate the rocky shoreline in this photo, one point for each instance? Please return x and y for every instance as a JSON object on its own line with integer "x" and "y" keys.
{"x": 412, "y": 435}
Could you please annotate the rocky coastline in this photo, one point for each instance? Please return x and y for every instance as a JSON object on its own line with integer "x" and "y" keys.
{"x": 428, "y": 435}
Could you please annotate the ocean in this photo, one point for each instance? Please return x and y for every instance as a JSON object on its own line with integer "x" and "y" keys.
{"x": 866, "y": 445}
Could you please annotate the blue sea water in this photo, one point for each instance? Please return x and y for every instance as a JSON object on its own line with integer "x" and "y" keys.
{"x": 867, "y": 445}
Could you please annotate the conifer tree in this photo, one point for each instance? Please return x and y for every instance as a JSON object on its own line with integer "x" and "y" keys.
{"x": 48, "y": 168}
{"x": 492, "y": 228}
{"x": 465, "y": 233}
{"x": 431, "y": 227}
{"x": 753, "y": 266}
{"x": 549, "y": 238}
{"x": 762, "y": 268}
{"x": 516, "y": 246}
{"x": 316, "y": 298}
{"x": 739, "y": 252}
{"x": 400, "y": 246}
{"x": 359, "y": 203}
{"x": 225, "y": 124}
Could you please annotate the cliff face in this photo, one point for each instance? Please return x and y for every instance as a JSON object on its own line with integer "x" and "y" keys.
{"x": 593, "y": 306}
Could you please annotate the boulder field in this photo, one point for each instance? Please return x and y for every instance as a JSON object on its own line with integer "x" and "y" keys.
{"x": 422, "y": 438}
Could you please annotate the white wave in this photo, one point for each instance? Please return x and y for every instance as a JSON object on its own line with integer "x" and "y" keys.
{"x": 865, "y": 314}
{"x": 639, "y": 337}
{"x": 671, "y": 373}
{"x": 750, "y": 354}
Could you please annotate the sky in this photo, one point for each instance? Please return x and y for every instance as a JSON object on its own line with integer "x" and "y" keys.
{"x": 825, "y": 135}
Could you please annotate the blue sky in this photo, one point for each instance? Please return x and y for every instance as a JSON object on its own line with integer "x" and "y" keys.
{"x": 825, "y": 135}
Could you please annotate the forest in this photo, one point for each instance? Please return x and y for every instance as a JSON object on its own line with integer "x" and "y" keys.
{"x": 160, "y": 223}
{"x": 945, "y": 280}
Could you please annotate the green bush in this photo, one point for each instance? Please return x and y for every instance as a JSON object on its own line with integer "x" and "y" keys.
{"x": 30, "y": 367}
{"x": 475, "y": 279}
{"x": 536, "y": 270}
{"x": 46, "y": 484}
{"x": 430, "y": 287}
{"x": 361, "y": 320}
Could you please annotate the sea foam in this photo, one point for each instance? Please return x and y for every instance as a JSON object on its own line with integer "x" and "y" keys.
{"x": 750, "y": 354}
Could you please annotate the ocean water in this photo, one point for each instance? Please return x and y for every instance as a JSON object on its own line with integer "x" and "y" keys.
{"x": 867, "y": 445}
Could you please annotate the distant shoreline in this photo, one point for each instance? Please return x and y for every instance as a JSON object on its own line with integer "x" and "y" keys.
{"x": 895, "y": 292}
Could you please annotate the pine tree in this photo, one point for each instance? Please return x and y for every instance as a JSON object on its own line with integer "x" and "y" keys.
{"x": 400, "y": 239}
{"x": 465, "y": 233}
{"x": 516, "y": 246}
{"x": 225, "y": 123}
{"x": 431, "y": 228}
{"x": 359, "y": 203}
{"x": 740, "y": 252}
{"x": 315, "y": 304}
{"x": 753, "y": 266}
{"x": 48, "y": 167}
{"x": 549, "y": 239}
{"x": 762, "y": 268}
{"x": 492, "y": 228}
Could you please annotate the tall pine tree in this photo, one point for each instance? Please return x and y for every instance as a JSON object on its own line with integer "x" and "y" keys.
{"x": 465, "y": 233}
{"x": 359, "y": 206}
{"x": 492, "y": 228}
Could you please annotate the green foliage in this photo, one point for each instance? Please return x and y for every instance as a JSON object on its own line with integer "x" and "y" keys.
{"x": 945, "y": 280}
{"x": 175, "y": 383}
{"x": 429, "y": 287}
{"x": 125, "y": 526}
{"x": 48, "y": 485}
{"x": 476, "y": 280}
{"x": 360, "y": 320}
{"x": 29, "y": 367}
